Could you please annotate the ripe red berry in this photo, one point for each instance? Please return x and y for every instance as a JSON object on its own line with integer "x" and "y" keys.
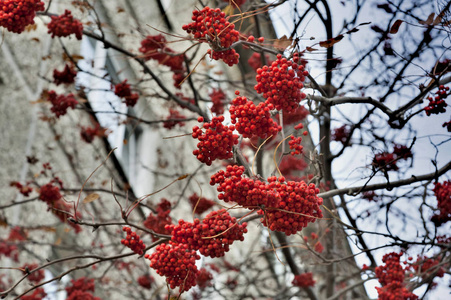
{"x": 124, "y": 91}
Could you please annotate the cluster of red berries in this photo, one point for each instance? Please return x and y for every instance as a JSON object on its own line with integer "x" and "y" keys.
{"x": 341, "y": 134}
{"x": 428, "y": 266}
{"x": 251, "y": 120}
{"x": 235, "y": 3}
{"x": 81, "y": 288}
{"x": 298, "y": 205}
{"x": 247, "y": 192}
{"x": 387, "y": 161}
{"x": 146, "y": 281}
{"x": 38, "y": 294}
{"x": 158, "y": 222}
{"x": 49, "y": 193}
{"x": 204, "y": 279}
{"x": 65, "y": 25}
{"x": 17, "y": 234}
{"x": 154, "y": 47}
{"x": 297, "y": 115}
{"x": 216, "y": 142}
{"x": 437, "y": 104}
{"x": 123, "y": 90}
{"x": 391, "y": 277}
{"x": 61, "y": 210}
{"x": 200, "y": 204}
{"x": 370, "y": 196}
{"x": 177, "y": 262}
{"x": 314, "y": 240}
{"x": 89, "y": 133}
{"x": 212, "y": 236}
{"x": 16, "y": 15}
{"x": 61, "y": 103}
{"x": 36, "y": 276}
{"x": 133, "y": 241}
{"x": 211, "y": 26}
{"x": 292, "y": 164}
{"x": 66, "y": 76}
{"x": 23, "y": 189}
{"x": 442, "y": 192}
{"x": 218, "y": 98}
{"x": 295, "y": 145}
{"x": 255, "y": 61}
{"x": 447, "y": 125}
{"x": 174, "y": 118}
{"x": 281, "y": 83}
{"x": 303, "y": 280}
{"x": 9, "y": 250}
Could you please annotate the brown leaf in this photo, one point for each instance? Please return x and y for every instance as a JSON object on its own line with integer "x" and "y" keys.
{"x": 31, "y": 27}
{"x": 437, "y": 20}
{"x": 310, "y": 49}
{"x": 283, "y": 43}
{"x": 429, "y": 20}
{"x": 35, "y": 39}
{"x": 3, "y": 222}
{"x": 120, "y": 10}
{"x": 395, "y": 27}
{"x": 91, "y": 197}
{"x": 183, "y": 177}
{"x": 330, "y": 42}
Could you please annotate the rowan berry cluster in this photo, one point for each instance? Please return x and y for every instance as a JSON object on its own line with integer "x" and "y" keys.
{"x": 146, "y": 281}
{"x": 370, "y": 196}
{"x": 391, "y": 276}
{"x": 155, "y": 47}
{"x": 297, "y": 115}
{"x": 16, "y": 15}
{"x": 428, "y": 266}
{"x": 61, "y": 103}
{"x": 200, "y": 204}
{"x": 281, "y": 82}
{"x": 255, "y": 61}
{"x": 133, "y": 241}
{"x": 447, "y": 125}
{"x": 212, "y": 236}
{"x": 437, "y": 104}
{"x": 211, "y": 26}
{"x": 66, "y": 76}
{"x": 216, "y": 142}
{"x": 341, "y": 134}
{"x": 17, "y": 233}
{"x": 388, "y": 161}
{"x": 174, "y": 118}
{"x": 23, "y": 189}
{"x": 36, "y": 276}
{"x": 49, "y": 193}
{"x": 177, "y": 262}
{"x": 158, "y": 222}
{"x": 251, "y": 120}
{"x": 303, "y": 280}
{"x": 247, "y": 192}
{"x": 65, "y": 25}
{"x": 298, "y": 205}
{"x": 204, "y": 279}
{"x": 89, "y": 133}
{"x": 442, "y": 192}
{"x": 123, "y": 90}
{"x": 9, "y": 250}
{"x": 38, "y": 294}
{"x": 218, "y": 98}
{"x": 292, "y": 164}
{"x": 81, "y": 288}
{"x": 295, "y": 145}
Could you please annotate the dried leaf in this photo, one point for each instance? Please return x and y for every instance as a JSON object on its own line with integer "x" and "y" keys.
{"x": 429, "y": 20}
{"x": 31, "y": 27}
{"x": 395, "y": 27}
{"x": 330, "y": 42}
{"x": 91, "y": 197}
{"x": 310, "y": 49}
{"x": 283, "y": 43}
{"x": 58, "y": 242}
{"x": 183, "y": 177}
{"x": 120, "y": 10}
{"x": 35, "y": 39}
{"x": 437, "y": 20}
{"x": 3, "y": 222}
